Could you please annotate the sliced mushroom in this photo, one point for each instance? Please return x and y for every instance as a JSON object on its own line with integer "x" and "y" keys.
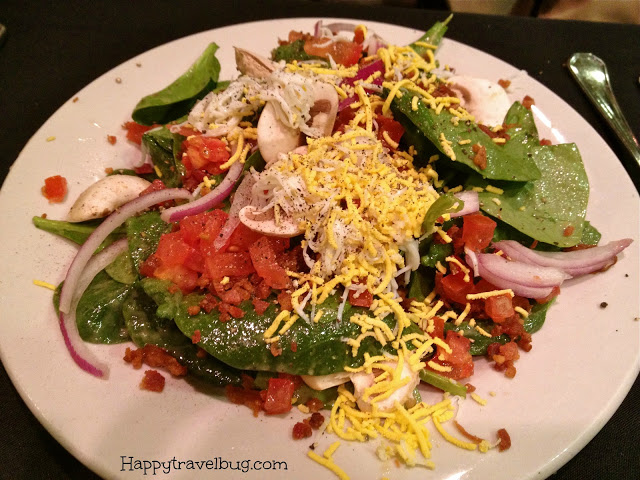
{"x": 265, "y": 223}
{"x": 487, "y": 101}
{"x": 256, "y": 66}
{"x": 104, "y": 196}
{"x": 274, "y": 137}
{"x": 322, "y": 382}
{"x": 361, "y": 381}
{"x": 325, "y": 108}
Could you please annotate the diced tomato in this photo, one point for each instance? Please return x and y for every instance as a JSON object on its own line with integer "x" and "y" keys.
{"x": 364, "y": 299}
{"x": 173, "y": 250}
{"x": 242, "y": 238}
{"x": 204, "y": 153}
{"x": 202, "y": 227}
{"x": 343, "y": 119}
{"x": 438, "y": 328}
{"x": 393, "y": 128}
{"x": 343, "y": 53}
{"x": 459, "y": 359}
{"x": 135, "y": 131}
{"x": 55, "y": 188}
{"x": 226, "y": 264}
{"x": 260, "y": 306}
{"x": 358, "y": 35}
{"x": 184, "y": 278}
{"x": 454, "y": 288}
{"x": 477, "y": 231}
{"x": 143, "y": 169}
{"x": 284, "y": 300}
{"x": 499, "y": 308}
{"x": 278, "y": 396}
{"x": 263, "y": 256}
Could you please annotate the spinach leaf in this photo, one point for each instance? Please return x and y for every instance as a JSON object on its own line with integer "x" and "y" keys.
{"x": 443, "y": 383}
{"x": 420, "y": 284}
{"x": 502, "y": 163}
{"x": 321, "y": 348}
{"x": 122, "y": 269}
{"x": 143, "y": 233}
{"x": 177, "y": 99}
{"x": 446, "y": 203}
{"x": 532, "y": 324}
{"x": 145, "y": 327}
{"x": 76, "y": 232}
{"x": 164, "y": 146}
{"x": 99, "y": 313}
{"x": 551, "y": 209}
{"x": 433, "y": 36}
{"x": 293, "y": 51}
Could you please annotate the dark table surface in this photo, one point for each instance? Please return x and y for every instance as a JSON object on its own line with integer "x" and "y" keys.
{"x": 53, "y": 49}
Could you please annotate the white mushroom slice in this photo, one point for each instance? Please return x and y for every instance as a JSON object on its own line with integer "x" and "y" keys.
{"x": 274, "y": 137}
{"x": 322, "y": 382}
{"x": 254, "y": 65}
{"x": 487, "y": 101}
{"x": 104, "y": 196}
{"x": 265, "y": 223}
{"x": 361, "y": 381}
{"x": 325, "y": 108}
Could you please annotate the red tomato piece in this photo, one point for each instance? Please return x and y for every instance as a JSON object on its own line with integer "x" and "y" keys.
{"x": 135, "y": 131}
{"x": 459, "y": 359}
{"x": 55, "y": 188}
{"x": 205, "y": 153}
{"x": 263, "y": 255}
{"x": 477, "y": 231}
{"x": 499, "y": 308}
{"x": 173, "y": 250}
{"x": 200, "y": 227}
{"x": 226, "y": 264}
{"x": 454, "y": 288}
{"x": 365, "y": 299}
{"x": 394, "y": 130}
{"x": 278, "y": 396}
{"x": 344, "y": 53}
{"x": 184, "y": 278}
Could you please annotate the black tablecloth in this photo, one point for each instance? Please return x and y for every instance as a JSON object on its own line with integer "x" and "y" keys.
{"x": 53, "y": 49}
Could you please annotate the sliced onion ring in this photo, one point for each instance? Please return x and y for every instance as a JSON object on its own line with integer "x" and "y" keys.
{"x": 74, "y": 343}
{"x": 577, "y": 262}
{"x": 109, "y": 224}
{"x": 501, "y": 273}
{"x": 210, "y": 200}
{"x": 241, "y": 199}
{"x": 471, "y": 203}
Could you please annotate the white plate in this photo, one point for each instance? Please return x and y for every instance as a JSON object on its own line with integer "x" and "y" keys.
{"x": 583, "y": 362}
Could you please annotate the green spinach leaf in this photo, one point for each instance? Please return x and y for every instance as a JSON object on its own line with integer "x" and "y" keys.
{"x": 164, "y": 148}
{"x": 143, "y": 233}
{"x": 76, "y": 232}
{"x": 433, "y": 36}
{"x": 293, "y": 51}
{"x": 177, "y": 99}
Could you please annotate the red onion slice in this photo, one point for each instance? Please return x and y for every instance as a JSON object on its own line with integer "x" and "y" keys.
{"x": 471, "y": 258}
{"x": 577, "y": 262}
{"x": 112, "y": 222}
{"x": 471, "y": 203}
{"x": 503, "y": 276}
{"x": 241, "y": 199}
{"x": 210, "y": 200}
{"x": 520, "y": 272}
{"x": 74, "y": 343}
{"x": 338, "y": 27}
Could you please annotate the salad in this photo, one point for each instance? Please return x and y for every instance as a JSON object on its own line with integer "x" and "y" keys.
{"x": 335, "y": 226}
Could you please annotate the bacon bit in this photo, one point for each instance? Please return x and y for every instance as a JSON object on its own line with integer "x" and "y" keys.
{"x": 193, "y": 310}
{"x": 504, "y": 83}
{"x": 247, "y": 381}
{"x": 316, "y": 420}
{"x": 44, "y": 215}
{"x": 196, "y": 337}
{"x": 260, "y": 306}
{"x": 527, "y": 101}
{"x": 534, "y": 244}
{"x": 108, "y": 170}
{"x": 545, "y": 141}
{"x": 155, "y": 357}
{"x": 301, "y": 430}
{"x": 75, "y": 99}
{"x": 208, "y": 303}
{"x": 568, "y": 231}
{"x": 201, "y": 353}
{"x": 470, "y": 388}
{"x": 244, "y": 396}
{"x": 284, "y": 299}
{"x": 152, "y": 381}
{"x": 480, "y": 157}
{"x": 580, "y": 246}
{"x": 55, "y": 188}
{"x": 505, "y": 440}
{"x": 111, "y": 139}
{"x": 314, "y": 405}
{"x": 173, "y": 288}
{"x": 275, "y": 348}
{"x": 466, "y": 434}
{"x": 294, "y": 347}
{"x": 504, "y": 356}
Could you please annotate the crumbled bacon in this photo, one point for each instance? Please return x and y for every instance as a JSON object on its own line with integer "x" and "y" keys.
{"x": 527, "y": 101}
{"x": 196, "y": 337}
{"x": 505, "y": 440}
{"x": 301, "y": 430}
{"x": 155, "y": 357}
{"x": 152, "y": 381}
{"x": 314, "y": 405}
{"x": 504, "y": 83}
{"x": 480, "y": 157}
